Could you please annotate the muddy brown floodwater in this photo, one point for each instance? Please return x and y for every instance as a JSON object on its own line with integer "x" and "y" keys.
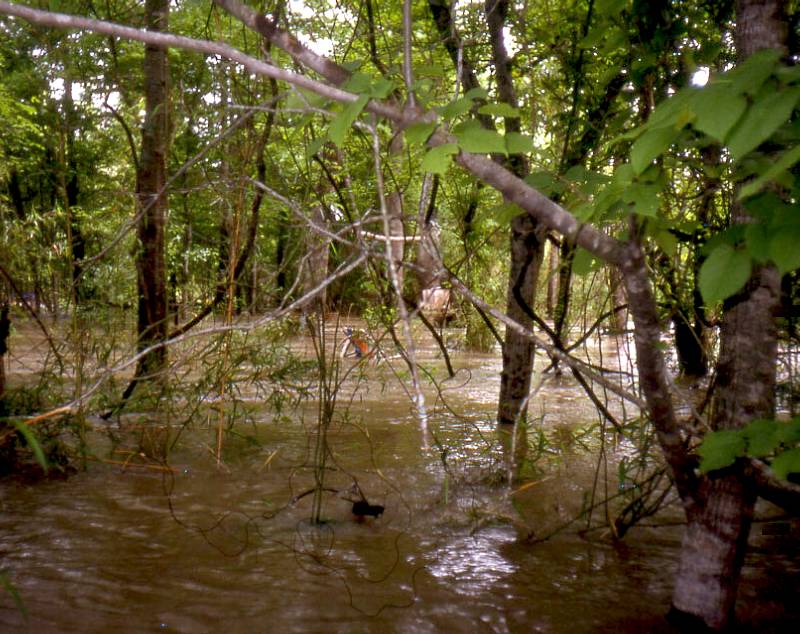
{"x": 209, "y": 549}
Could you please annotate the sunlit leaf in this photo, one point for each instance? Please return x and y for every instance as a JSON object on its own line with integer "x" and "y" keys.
{"x": 381, "y": 88}
{"x": 672, "y": 111}
{"x": 481, "y": 141}
{"x": 720, "y": 449}
{"x": 517, "y": 143}
{"x": 358, "y": 82}
{"x": 419, "y": 133}
{"x": 724, "y": 273}
{"x": 499, "y": 110}
{"x": 340, "y": 126}
{"x": 438, "y": 159}
{"x": 477, "y": 93}
{"x": 455, "y": 108}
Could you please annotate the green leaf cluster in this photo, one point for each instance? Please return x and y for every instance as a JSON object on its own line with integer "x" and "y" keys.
{"x": 776, "y": 441}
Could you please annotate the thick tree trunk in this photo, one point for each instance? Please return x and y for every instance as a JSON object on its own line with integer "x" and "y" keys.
{"x": 716, "y": 537}
{"x": 152, "y": 199}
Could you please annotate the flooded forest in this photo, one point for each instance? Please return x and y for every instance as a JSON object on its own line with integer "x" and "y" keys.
{"x": 423, "y": 316}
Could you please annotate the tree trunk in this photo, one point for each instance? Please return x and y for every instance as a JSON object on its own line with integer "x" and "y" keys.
{"x": 316, "y": 266}
{"x": 715, "y": 541}
{"x": 518, "y": 350}
{"x": 152, "y": 200}
{"x": 716, "y": 536}
{"x": 527, "y": 247}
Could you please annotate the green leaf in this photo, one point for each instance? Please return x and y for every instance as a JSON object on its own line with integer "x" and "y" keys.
{"x": 667, "y": 242}
{"x": 315, "y": 146}
{"x": 545, "y": 183}
{"x": 718, "y": 109}
{"x": 381, "y": 88}
{"x": 455, "y": 108}
{"x": 505, "y": 213}
{"x": 789, "y": 432}
{"x": 757, "y": 239}
{"x": 477, "y": 93}
{"x": 437, "y": 160}
{"x": 481, "y": 141}
{"x": 650, "y": 145}
{"x": 725, "y": 272}
{"x": 419, "y": 133}
{"x": 786, "y": 463}
{"x": 517, "y": 143}
{"x": 748, "y": 76}
{"x": 787, "y": 160}
{"x": 762, "y": 119}
{"x": 358, "y": 82}
{"x": 784, "y": 248}
{"x": 644, "y": 198}
{"x": 762, "y": 437}
{"x": 584, "y": 262}
{"x": 340, "y": 126}
{"x": 353, "y": 65}
{"x": 673, "y": 111}
{"x": 499, "y": 110}
{"x": 720, "y": 449}
{"x": 32, "y": 442}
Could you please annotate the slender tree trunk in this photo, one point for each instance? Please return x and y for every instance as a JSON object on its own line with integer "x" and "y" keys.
{"x": 316, "y": 266}
{"x": 152, "y": 199}
{"x": 518, "y": 351}
{"x": 527, "y": 247}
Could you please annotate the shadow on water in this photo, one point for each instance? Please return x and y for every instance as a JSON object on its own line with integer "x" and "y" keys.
{"x": 203, "y": 549}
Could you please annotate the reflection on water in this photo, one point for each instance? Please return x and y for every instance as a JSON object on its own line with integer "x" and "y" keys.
{"x": 199, "y": 549}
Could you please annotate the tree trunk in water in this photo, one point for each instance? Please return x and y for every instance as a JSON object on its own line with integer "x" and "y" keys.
{"x": 518, "y": 351}
{"x": 152, "y": 200}
{"x": 716, "y": 537}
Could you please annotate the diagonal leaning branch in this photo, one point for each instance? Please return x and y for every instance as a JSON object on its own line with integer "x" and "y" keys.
{"x": 627, "y": 256}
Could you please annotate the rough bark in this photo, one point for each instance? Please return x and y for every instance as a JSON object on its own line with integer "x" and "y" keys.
{"x": 715, "y": 541}
{"x": 152, "y": 199}
{"x": 527, "y": 246}
{"x": 716, "y": 536}
{"x": 527, "y": 241}
{"x": 316, "y": 266}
